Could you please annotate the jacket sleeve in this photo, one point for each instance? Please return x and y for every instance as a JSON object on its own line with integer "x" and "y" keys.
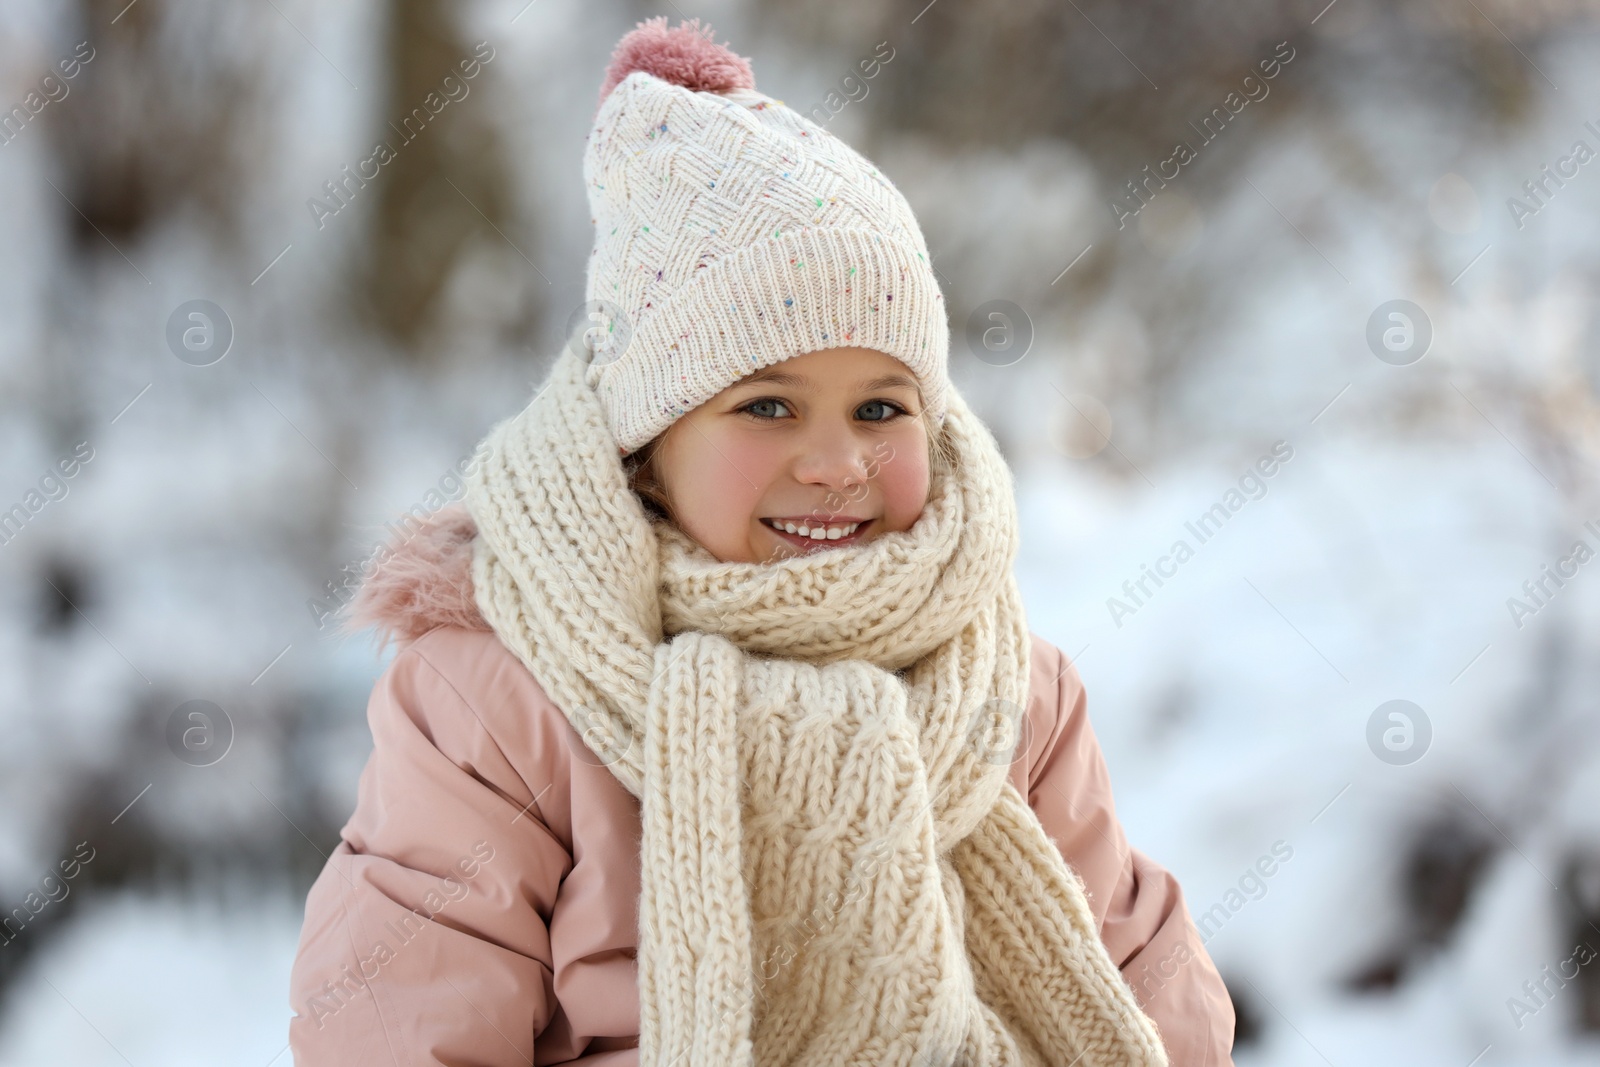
{"x": 425, "y": 938}
{"x": 1144, "y": 922}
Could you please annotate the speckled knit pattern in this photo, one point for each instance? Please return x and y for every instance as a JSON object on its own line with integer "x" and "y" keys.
{"x": 733, "y": 232}
{"x": 836, "y": 869}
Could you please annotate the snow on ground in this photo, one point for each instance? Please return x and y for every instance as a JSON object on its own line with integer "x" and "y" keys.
{"x": 158, "y": 980}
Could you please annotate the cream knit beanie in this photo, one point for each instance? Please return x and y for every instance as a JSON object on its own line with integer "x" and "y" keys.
{"x": 731, "y": 233}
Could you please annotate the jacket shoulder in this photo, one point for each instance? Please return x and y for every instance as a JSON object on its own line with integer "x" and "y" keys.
{"x": 476, "y": 702}
{"x": 1052, "y": 686}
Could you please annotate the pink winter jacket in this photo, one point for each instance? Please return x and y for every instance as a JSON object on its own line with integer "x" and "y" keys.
{"x": 481, "y": 906}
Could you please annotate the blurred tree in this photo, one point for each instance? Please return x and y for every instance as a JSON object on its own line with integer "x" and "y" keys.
{"x": 155, "y": 120}
{"x": 447, "y": 186}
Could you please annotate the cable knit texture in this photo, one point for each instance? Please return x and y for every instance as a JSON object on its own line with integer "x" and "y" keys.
{"x": 835, "y": 868}
{"x": 732, "y": 232}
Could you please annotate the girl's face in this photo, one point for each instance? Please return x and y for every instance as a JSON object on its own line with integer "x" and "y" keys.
{"x": 819, "y": 451}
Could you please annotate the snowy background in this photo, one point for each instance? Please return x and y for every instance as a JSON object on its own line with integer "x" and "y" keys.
{"x": 1155, "y": 362}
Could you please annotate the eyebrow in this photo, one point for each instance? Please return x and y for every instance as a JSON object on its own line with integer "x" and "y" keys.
{"x": 773, "y": 376}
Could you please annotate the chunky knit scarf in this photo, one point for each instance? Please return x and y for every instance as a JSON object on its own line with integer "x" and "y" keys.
{"x": 835, "y": 867}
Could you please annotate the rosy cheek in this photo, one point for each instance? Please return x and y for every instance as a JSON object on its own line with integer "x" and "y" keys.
{"x": 903, "y": 480}
{"x": 727, "y": 475}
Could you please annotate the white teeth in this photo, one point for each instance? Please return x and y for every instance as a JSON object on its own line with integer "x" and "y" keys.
{"x": 816, "y": 533}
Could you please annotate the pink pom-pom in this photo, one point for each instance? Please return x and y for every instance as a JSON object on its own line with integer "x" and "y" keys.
{"x": 686, "y": 56}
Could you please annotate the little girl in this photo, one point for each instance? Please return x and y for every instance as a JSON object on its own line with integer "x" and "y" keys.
{"x": 717, "y": 735}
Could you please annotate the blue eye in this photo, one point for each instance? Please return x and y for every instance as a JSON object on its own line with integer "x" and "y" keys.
{"x": 764, "y": 408}
{"x": 878, "y": 411}
{"x": 770, "y": 409}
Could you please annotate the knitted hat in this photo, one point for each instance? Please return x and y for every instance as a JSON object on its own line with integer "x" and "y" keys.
{"x": 731, "y": 233}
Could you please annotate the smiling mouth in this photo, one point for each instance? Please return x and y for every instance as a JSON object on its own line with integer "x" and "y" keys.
{"x": 808, "y": 533}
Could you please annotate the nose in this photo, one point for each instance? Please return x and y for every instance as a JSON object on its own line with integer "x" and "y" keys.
{"x": 832, "y": 457}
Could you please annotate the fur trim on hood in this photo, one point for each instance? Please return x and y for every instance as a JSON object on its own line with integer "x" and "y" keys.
{"x": 423, "y": 579}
